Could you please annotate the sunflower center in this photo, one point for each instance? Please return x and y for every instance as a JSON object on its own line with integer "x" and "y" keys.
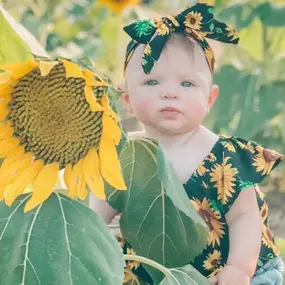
{"x": 192, "y": 21}
{"x": 207, "y": 218}
{"x": 52, "y": 118}
{"x": 215, "y": 262}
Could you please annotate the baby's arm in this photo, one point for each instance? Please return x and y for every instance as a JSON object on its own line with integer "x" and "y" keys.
{"x": 102, "y": 208}
{"x": 245, "y": 240}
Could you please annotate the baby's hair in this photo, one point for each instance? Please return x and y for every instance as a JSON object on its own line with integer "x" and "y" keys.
{"x": 180, "y": 39}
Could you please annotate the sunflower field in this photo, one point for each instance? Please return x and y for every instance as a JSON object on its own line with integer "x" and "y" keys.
{"x": 63, "y": 135}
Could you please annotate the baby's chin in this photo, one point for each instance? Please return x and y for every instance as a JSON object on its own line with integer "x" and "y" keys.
{"x": 174, "y": 128}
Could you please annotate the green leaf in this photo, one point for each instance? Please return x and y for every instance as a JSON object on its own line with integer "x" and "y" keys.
{"x": 157, "y": 219}
{"x": 244, "y": 98}
{"x": 12, "y": 46}
{"x": 271, "y": 14}
{"x": 186, "y": 275}
{"x": 239, "y": 16}
{"x": 60, "y": 242}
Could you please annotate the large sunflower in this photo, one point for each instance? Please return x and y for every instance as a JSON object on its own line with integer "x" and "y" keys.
{"x": 211, "y": 218}
{"x": 224, "y": 176}
{"x": 118, "y": 6}
{"x": 56, "y": 115}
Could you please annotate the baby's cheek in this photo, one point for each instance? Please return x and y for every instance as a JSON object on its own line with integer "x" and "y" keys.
{"x": 143, "y": 109}
{"x": 197, "y": 112}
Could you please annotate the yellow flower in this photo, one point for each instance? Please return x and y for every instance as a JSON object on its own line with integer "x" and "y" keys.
{"x": 193, "y": 20}
{"x": 56, "y": 115}
{"x": 147, "y": 49}
{"x": 117, "y": 6}
{"x": 211, "y": 218}
{"x": 241, "y": 145}
{"x": 173, "y": 21}
{"x": 229, "y": 146}
{"x": 161, "y": 28}
{"x": 201, "y": 170}
{"x": 132, "y": 264}
{"x": 264, "y": 212}
{"x": 261, "y": 163}
{"x": 211, "y": 157}
{"x": 267, "y": 239}
{"x": 224, "y": 176}
{"x": 231, "y": 32}
{"x": 213, "y": 260}
{"x": 250, "y": 147}
{"x": 215, "y": 272}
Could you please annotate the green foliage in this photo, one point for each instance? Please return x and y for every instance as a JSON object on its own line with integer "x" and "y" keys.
{"x": 251, "y": 76}
{"x": 13, "y": 47}
{"x": 157, "y": 218}
{"x": 60, "y": 242}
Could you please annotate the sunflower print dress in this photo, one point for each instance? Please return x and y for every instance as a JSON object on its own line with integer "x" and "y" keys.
{"x": 232, "y": 165}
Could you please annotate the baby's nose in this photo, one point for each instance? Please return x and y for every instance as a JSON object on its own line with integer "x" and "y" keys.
{"x": 169, "y": 95}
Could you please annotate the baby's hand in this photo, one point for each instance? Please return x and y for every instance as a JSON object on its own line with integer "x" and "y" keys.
{"x": 231, "y": 275}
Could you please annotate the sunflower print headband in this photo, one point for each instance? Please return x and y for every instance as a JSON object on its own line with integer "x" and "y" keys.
{"x": 196, "y": 22}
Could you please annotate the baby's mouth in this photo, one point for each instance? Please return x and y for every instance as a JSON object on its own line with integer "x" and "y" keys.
{"x": 170, "y": 109}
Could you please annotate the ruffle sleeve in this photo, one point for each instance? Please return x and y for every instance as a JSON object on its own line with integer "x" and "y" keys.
{"x": 240, "y": 164}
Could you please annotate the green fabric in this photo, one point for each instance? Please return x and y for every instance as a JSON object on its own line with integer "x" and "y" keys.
{"x": 196, "y": 22}
{"x": 232, "y": 165}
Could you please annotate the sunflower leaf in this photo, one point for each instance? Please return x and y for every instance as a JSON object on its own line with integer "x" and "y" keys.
{"x": 185, "y": 275}
{"x": 60, "y": 242}
{"x": 157, "y": 218}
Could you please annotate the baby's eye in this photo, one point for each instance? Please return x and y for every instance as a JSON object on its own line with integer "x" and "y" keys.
{"x": 187, "y": 84}
{"x": 151, "y": 82}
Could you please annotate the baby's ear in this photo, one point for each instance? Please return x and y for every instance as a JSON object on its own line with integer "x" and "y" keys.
{"x": 125, "y": 97}
{"x": 214, "y": 92}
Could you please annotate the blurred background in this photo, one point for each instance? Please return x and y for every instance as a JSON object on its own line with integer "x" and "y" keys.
{"x": 251, "y": 76}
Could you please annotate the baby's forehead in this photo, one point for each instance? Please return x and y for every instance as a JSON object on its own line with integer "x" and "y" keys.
{"x": 180, "y": 55}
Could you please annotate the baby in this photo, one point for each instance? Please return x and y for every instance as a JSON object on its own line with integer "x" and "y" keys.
{"x": 168, "y": 87}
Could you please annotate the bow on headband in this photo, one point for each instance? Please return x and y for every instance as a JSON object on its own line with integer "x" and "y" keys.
{"x": 196, "y": 22}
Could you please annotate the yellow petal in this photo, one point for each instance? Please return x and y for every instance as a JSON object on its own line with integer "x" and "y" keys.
{"x": 10, "y": 168}
{"x": 6, "y": 97}
{"x": 5, "y": 88}
{"x": 4, "y": 110}
{"x": 2, "y": 190}
{"x": 8, "y": 145}
{"x": 43, "y": 185}
{"x": 110, "y": 167}
{"x": 92, "y": 174}
{"x": 20, "y": 69}
{"x": 26, "y": 177}
{"x": 72, "y": 69}
{"x": 6, "y": 131}
{"x": 46, "y": 66}
{"x": 67, "y": 175}
{"x": 5, "y": 76}
{"x": 94, "y": 105}
{"x": 90, "y": 78}
{"x": 111, "y": 129}
{"x": 105, "y": 103}
{"x": 77, "y": 182}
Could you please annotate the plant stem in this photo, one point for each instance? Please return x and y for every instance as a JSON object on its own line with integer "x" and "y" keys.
{"x": 147, "y": 261}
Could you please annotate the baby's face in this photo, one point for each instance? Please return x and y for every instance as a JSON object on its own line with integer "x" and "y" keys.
{"x": 174, "y": 97}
